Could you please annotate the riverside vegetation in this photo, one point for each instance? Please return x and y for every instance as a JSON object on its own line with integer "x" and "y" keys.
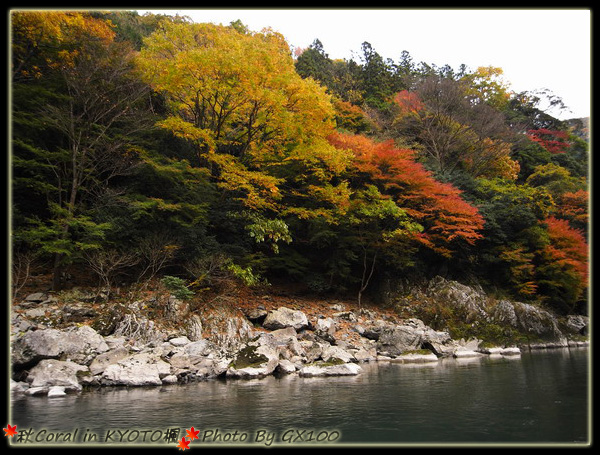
{"x": 164, "y": 172}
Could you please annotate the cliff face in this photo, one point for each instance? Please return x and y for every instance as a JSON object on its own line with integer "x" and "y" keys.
{"x": 580, "y": 127}
{"x": 467, "y": 311}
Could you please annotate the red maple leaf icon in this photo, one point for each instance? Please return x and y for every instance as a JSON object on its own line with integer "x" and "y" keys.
{"x": 183, "y": 444}
{"x": 192, "y": 434}
{"x": 10, "y": 431}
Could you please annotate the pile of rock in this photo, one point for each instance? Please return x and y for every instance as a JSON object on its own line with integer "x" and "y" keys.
{"x": 260, "y": 343}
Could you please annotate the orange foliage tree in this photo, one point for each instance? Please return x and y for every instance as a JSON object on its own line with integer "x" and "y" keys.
{"x": 447, "y": 219}
{"x": 563, "y": 270}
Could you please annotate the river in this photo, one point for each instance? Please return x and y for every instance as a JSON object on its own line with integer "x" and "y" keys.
{"x": 540, "y": 397}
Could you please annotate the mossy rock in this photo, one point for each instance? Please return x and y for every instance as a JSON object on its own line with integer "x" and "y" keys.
{"x": 331, "y": 362}
{"x": 417, "y": 352}
{"x": 106, "y": 322}
{"x": 248, "y": 358}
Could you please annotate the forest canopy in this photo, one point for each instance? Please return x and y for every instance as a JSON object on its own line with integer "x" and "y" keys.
{"x": 144, "y": 146}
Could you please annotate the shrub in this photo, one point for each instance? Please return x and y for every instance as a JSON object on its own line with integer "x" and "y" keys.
{"x": 177, "y": 287}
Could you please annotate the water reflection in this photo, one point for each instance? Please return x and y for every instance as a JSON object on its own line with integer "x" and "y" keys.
{"x": 537, "y": 397}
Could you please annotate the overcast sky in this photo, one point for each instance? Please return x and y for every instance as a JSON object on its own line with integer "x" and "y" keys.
{"x": 544, "y": 48}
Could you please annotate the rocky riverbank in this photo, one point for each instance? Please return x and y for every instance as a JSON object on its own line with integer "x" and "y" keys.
{"x": 60, "y": 347}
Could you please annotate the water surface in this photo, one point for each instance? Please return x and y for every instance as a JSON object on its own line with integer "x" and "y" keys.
{"x": 539, "y": 398}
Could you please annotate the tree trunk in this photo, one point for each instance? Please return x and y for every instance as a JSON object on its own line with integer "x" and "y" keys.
{"x": 365, "y": 279}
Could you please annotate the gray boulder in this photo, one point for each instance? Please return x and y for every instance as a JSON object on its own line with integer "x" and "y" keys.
{"x": 537, "y": 321}
{"x": 201, "y": 348}
{"x": 285, "y": 317}
{"x": 37, "y": 297}
{"x": 78, "y": 344}
{"x": 253, "y": 361}
{"x": 49, "y": 373}
{"x": 470, "y": 301}
{"x": 141, "y": 369}
{"x": 231, "y": 332}
{"x": 102, "y": 361}
{"x": 398, "y": 339}
{"x": 194, "y": 327}
{"x": 325, "y": 328}
{"x": 504, "y": 313}
{"x": 336, "y": 353}
{"x": 578, "y": 324}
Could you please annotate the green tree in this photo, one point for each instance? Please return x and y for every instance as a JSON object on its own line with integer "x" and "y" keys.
{"x": 378, "y": 228}
{"x": 87, "y": 131}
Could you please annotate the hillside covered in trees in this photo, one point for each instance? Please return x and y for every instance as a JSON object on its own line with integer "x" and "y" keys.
{"x": 150, "y": 146}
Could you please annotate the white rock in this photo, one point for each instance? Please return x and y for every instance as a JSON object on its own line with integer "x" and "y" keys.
{"x": 180, "y": 341}
{"x": 33, "y": 391}
{"x": 56, "y": 391}
{"x": 416, "y": 358}
{"x": 284, "y": 317}
{"x": 49, "y": 373}
{"x": 344, "y": 369}
{"x": 170, "y": 379}
{"x": 137, "y": 370}
{"x": 464, "y": 353}
{"x": 286, "y": 367}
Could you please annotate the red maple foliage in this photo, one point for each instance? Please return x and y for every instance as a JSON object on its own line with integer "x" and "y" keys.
{"x": 552, "y": 140}
{"x": 437, "y": 206}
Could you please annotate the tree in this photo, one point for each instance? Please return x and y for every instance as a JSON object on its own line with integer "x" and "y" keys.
{"x": 90, "y": 128}
{"x": 574, "y": 207}
{"x": 446, "y": 218}
{"x": 44, "y": 40}
{"x": 512, "y": 234}
{"x": 316, "y": 64}
{"x": 452, "y": 131}
{"x": 552, "y": 140}
{"x": 556, "y": 179}
{"x": 377, "y": 225}
{"x": 238, "y": 98}
{"x": 487, "y": 86}
{"x": 563, "y": 270}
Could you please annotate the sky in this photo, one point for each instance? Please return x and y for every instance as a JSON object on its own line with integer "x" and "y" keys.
{"x": 537, "y": 49}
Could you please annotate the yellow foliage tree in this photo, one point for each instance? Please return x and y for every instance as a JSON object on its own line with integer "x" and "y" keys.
{"x": 237, "y": 96}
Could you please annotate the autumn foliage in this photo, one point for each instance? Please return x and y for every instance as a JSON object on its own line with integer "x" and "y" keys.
{"x": 552, "y": 140}
{"x": 563, "y": 270}
{"x": 132, "y": 136}
{"x": 446, "y": 217}
{"x": 567, "y": 248}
